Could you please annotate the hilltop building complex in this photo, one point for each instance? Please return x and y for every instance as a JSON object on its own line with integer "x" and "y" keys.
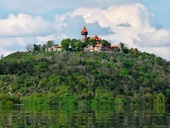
{"x": 92, "y": 43}
{"x": 99, "y": 46}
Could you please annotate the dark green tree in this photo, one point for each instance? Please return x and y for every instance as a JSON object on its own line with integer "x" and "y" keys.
{"x": 105, "y": 43}
{"x": 92, "y": 42}
{"x": 65, "y": 43}
{"x": 50, "y": 44}
{"x": 77, "y": 45}
{"x": 36, "y": 48}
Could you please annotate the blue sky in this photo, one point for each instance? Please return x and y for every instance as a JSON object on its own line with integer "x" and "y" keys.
{"x": 143, "y": 24}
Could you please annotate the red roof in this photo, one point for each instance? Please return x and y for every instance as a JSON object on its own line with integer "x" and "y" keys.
{"x": 114, "y": 46}
{"x": 58, "y": 47}
{"x": 84, "y": 29}
{"x": 99, "y": 45}
{"x": 95, "y": 38}
{"x": 92, "y": 38}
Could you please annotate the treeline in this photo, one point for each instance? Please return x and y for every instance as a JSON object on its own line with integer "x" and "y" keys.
{"x": 66, "y": 44}
{"x": 91, "y": 77}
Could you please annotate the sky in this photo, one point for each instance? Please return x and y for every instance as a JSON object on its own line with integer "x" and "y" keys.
{"x": 142, "y": 24}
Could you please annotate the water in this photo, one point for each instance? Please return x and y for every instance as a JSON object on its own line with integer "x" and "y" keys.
{"x": 84, "y": 118}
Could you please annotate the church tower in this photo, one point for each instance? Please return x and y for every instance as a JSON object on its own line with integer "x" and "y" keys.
{"x": 84, "y": 34}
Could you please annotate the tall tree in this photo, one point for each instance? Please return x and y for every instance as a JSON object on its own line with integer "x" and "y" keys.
{"x": 2, "y": 56}
{"x": 29, "y": 47}
{"x": 50, "y": 44}
{"x": 65, "y": 43}
{"x": 36, "y": 48}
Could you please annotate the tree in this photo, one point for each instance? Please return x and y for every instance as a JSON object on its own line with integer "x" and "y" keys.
{"x": 50, "y": 44}
{"x": 77, "y": 45}
{"x": 123, "y": 48}
{"x": 44, "y": 47}
{"x": 36, "y": 48}
{"x": 92, "y": 42}
{"x": 124, "y": 72}
{"x": 29, "y": 47}
{"x": 41, "y": 66}
{"x": 105, "y": 43}
{"x": 65, "y": 44}
{"x": 2, "y": 56}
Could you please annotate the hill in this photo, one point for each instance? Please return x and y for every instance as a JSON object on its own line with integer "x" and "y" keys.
{"x": 93, "y": 77}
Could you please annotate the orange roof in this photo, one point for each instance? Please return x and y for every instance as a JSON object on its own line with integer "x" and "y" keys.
{"x": 114, "y": 46}
{"x": 84, "y": 29}
{"x": 99, "y": 45}
{"x": 97, "y": 38}
{"x": 94, "y": 38}
{"x": 58, "y": 47}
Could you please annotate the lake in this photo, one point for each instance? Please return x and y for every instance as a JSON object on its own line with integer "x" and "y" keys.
{"x": 84, "y": 117}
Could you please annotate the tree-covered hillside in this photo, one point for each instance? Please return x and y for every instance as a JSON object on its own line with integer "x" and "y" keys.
{"x": 95, "y": 77}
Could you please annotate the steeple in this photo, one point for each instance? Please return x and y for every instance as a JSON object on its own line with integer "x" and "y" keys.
{"x": 84, "y": 34}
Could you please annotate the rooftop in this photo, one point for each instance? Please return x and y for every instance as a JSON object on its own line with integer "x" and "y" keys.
{"x": 84, "y": 29}
{"x": 99, "y": 45}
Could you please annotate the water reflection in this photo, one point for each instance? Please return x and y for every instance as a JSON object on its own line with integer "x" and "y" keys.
{"x": 84, "y": 118}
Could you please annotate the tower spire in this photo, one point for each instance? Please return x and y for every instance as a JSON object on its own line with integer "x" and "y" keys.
{"x": 84, "y": 34}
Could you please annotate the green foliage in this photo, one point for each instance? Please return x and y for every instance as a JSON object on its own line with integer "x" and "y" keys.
{"x": 72, "y": 45}
{"x": 50, "y": 44}
{"x": 65, "y": 44}
{"x": 9, "y": 104}
{"x": 160, "y": 103}
{"x": 124, "y": 48}
{"x": 36, "y": 48}
{"x": 8, "y": 101}
{"x": 105, "y": 43}
{"x": 92, "y": 42}
{"x": 77, "y": 45}
{"x": 97, "y": 78}
{"x": 41, "y": 66}
{"x": 120, "y": 100}
{"x": 124, "y": 72}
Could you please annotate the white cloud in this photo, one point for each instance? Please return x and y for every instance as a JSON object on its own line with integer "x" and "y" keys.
{"x": 17, "y": 31}
{"x": 156, "y": 38}
{"x": 132, "y": 24}
{"x": 116, "y": 21}
{"x": 15, "y": 43}
{"x": 9, "y": 45}
{"x": 158, "y": 51}
{"x": 43, "y": 39}
{"x": 11, "y": 42}
{"x": 24, "y": 25}
{"x": 4, "y": 52}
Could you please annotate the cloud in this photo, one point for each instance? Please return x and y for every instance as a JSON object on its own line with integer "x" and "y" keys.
{"x": 15, "y": 43}
{"x": 42, "y": 6}
{"x": 156, "y": 38}
{"x": 9, "y": 45}
{"x": 124, "y": 25}
{"x": 131, "y": 24}
{"x": 117, "y": 21}
{"x": 4, "y": 52}
{"x": 158, "y": 51}
{"x": 24, "y": 25}
{"x": 16, "y": 31}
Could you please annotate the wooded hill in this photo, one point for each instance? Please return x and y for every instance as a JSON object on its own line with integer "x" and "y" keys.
{"x": 93, "y": 77}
